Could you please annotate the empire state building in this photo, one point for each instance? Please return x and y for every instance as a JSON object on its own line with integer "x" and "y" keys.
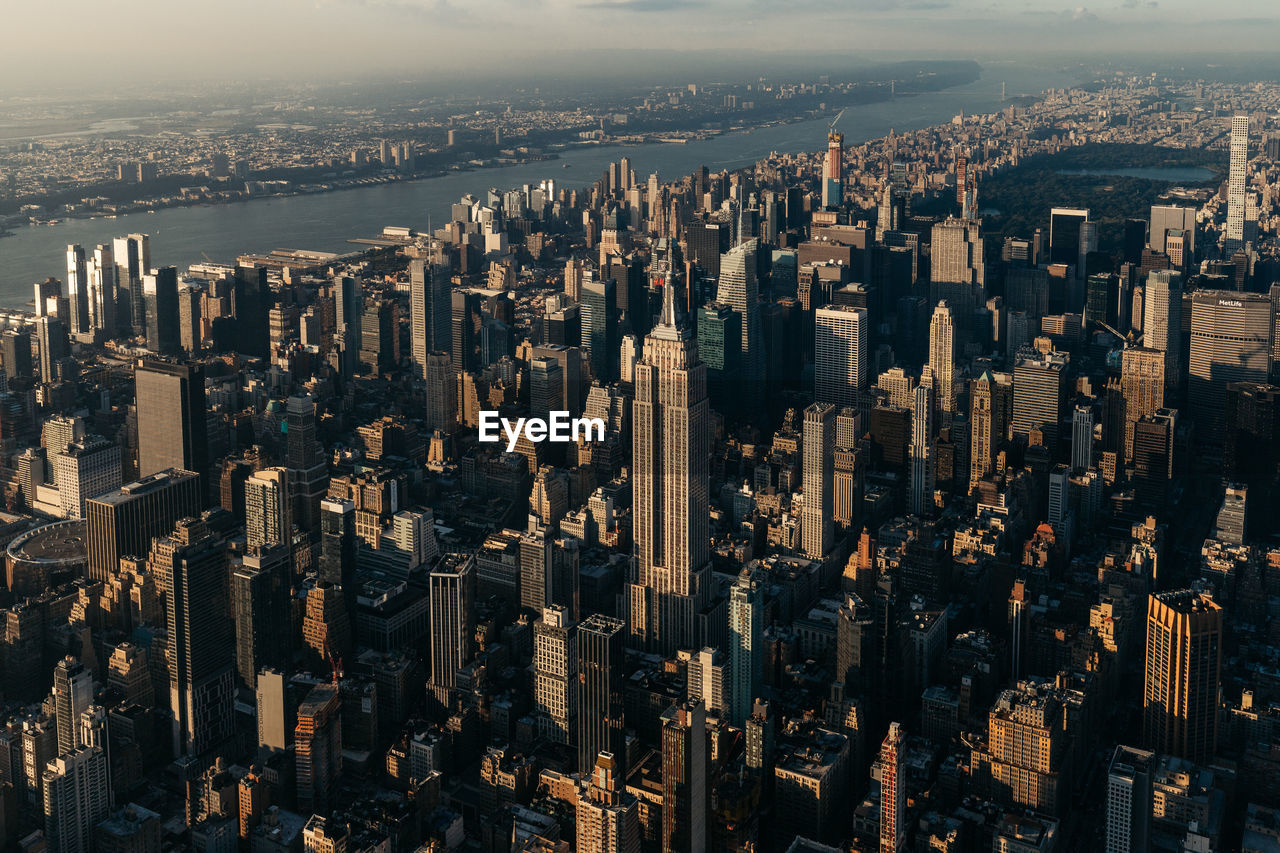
{"x": 671, "y": 430}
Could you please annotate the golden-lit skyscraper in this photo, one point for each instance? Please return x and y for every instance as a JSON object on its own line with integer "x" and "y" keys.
{"x": 671, "y": 435}
{"x": 1142, "y": 386}
{"x": 892, "y": 791}
{"x": 833, "y": 170}
{"x": 942, "y": 359}
{"x": 1181, "y": 676}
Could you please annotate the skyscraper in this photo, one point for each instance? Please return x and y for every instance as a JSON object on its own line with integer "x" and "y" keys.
{"x": 78, "y": 290}
{"x": 318, "y": 737}
{"x": 546, "y": 387}
{"x": 1038, "y": 386}
{"x": 989, "y": 402}
{"x": 1129, "y": 800}
{"x": 746, "y": 650}
{"x": 1236, "y": 179}
{"x": 739, "y": 289}
{"x": 671, "y": 480}
{"x": 308, "y": 468}
{"x": 430, "y": 310}
{"x": 452, "y": 623}
{"x": 607, "y": 816}
{"x": 817, "y": 533}
{"x": 76, "y": 791}
{"x": 942, "y": 359}
{"x": 1169, "y": 217}
{"x": 260, "y": 604}
{"x": 1181, "y": 678}
{"x": 833, "y": 170}
{"x": 72, "y": 696}
{"x": 893, "y": 777}
{"x": 685, "y": 769}
{"x": 1065, "y": 227}
{"x": 172, "y": 430}
{"x": 132, "y": 258}
{"x": 442, "y": 392}
{"x": 1230, "y": 342}
{"x": 601, "y": 718}
{"x": 1142, "y": 385}
{"x": 1082, "y": 438}
{"x": 266, "y": 508}
{"x": 251, "y": 302}
{"x": 921, "y": 450}
{"x": 840, "y": 354}
{"x": 600, "y": 331}
{"x": 337, "y": 542}
{"x": 1162, "y": 322}
{"x": 555, "y": 671}
{"x": 122, "y": 523}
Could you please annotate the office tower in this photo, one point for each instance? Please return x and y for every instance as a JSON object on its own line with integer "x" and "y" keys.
{"x": 380, "y": 335}
{"x": 348, "y": 305}
{"x": 190, "y": 329}
{"x": 1181, "y": 678}
{"x": 746, "y": 649}
{"x": 833, "y": 170}
{"x": 318, "y": 740}
{"x": 720, "y": 348}
{"x": 337, "y": 542}
{"x": 1162, "y": 322}
{"x": 1065, "y": 227}
{"x": 160, "y": 296}
{"x": 85, "y": 469}
{"x": 921, "y": 450}
{"x": 452, "y": 624}
{"x": 600, "y": 327}
{"x": 1236, "y": 181}
{"x": 1100, "y": 299}
{"x": 1230, "y": 526}
{"x": 251, "y": 303}
{"x": 192, "y": 563}
{"x": 942, "y": 359}
{"x": 272, "y": 713}
{"x": 607, "y": 817}
{"x": 260, "y": 604}
{"x": 17, "y": 354}
{"x": 893, "y": 800}
{"x": 76, "y": 790}
{"x": 709, "y": 681}
{"x": 957, "y": 254}
{"x": 442, "y": 406}
{"x": 1038, "y": 386}
{"x": 122, "y": 523}
{"x": 1082, "y": 438}
{"x": 172, "y": 427}
{"x": 1251, "y": 447}
{"x": 308, "y": 469}
{"x": 55, "y": 348}
{"x": 1153, "y": 462}
{"x": 685, "y": 769}
{"x": 1166, "y": 218}
{"x": 555, "y": 670}
{"x": 671, "y": 429}
{"x": 465, "y": 321}
{"x": 72, "y": 696}
{"x": 817, "y": 534}
{"x": 1128, "y": 822}
{"x": 266, "y": 508}
{"x": 1028, "y": 736}
{"x": 78, "y": 291}
{"x": 705, "y": 243}
{"x": 840, "y": 354}
{"x": 326, "y": 625}
{"x": 546, "y": 387}
{"x": 132, "y": 257}
{"x": 739, "y": 289}
{"x": 1142, "y": 385}
{"x": 989, "y": 401}
{"x": 601, "y": 719}
{"x": 102, "y": 290}
{"x": 430, "y": 310}
{"x": 569, "y": 362}
{"x": 1230, "y": 342}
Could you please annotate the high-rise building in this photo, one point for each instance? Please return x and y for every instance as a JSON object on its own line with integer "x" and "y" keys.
{"x": 122, "y": 523}
{"x": 380, "y": 335}
{"x": 76, "y": 790}
{"x": 85, "y": 469}
{"x": 318, "y": 740}
{"x": 160, "y": 297}
{"x": 272, "y": 712}
{"x": 132, "y": 257}
{"x": 1129, "y": 800}
{"x": 1162, "y": 322}
{"x": 893, "y": 777}
{"x": 308, "y": 469}
{"x": 191, "y": 565}
{"x": 990, "y": 400}
{"x": 1066, "y": 226}
{"x": 260, "y": 604}
{"x": 452, "y": 623}
{"x": 685, "y": 770}
{"x": 1026, "y": 756}
{"x": 337, "y": 542}
{"x": 942, "y": 359}
{"x": 921, "y": 450}
{"x": 739, "y": 289}
{"x": 1039, "y": 381}
{"x": 671, "y": 428}
{"x": 957, "y": 254}
{"x": 442, "y": 392}
{"x": 708, "y": 681}
{"x": 1181, "y": 679}
{"x": 172, "y": 426}
{"x": 72, "y": 696}
{"x": 601, "y": 718}
{"x": 555, "y": 670}
{"x": 546, "y": 387}
{"x": 833, "y": 171}
{"x": 1142, "y": 385}
{"x": 1236, "y": 181}
{"x": 840, "y": 354}
{"x": 430, "y": 310}
{"x": 746, "y": 642}
{"x": 267, "y": 517}
{"x": 607, "y": 816}
{"x": 817, "y": 532}
{"x": 600, "y": 328}
{"x": 1153, "y": 462}
{"x": 1082, "y": 438}
{"x": 78, "y": 290}
{"x": 1166, "y": 218}
{"x": 720, "y": 348}
{"x": 1230, "y": 342}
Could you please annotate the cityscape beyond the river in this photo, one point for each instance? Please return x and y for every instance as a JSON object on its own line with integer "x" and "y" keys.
{"x": 918, "y": 494}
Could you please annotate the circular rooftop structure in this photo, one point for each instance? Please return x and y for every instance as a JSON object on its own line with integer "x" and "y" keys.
{"x": 60, "y": 545}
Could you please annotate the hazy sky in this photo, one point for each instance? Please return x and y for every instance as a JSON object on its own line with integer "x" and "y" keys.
{"x": 86, "y": 42}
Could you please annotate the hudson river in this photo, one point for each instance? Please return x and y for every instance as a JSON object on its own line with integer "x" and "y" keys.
{"x": 326, "y": 221}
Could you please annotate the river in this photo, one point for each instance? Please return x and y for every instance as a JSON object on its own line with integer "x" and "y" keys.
{"x": 326, "y": 221}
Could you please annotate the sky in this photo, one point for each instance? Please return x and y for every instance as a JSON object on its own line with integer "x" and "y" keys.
{"x": 86, "y": 43}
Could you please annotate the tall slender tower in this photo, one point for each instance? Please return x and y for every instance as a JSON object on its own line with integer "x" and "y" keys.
{"x": 740, "y": 290}
{"x": 266, "y": 508}
{"x": 840, "y": 354}
{"x": 1142, "y": 386}
{"x": 833, "y": 170}
{"x": 172, "y": 425}
{"x": 942, "y": 359}
{"x": 1162, "y": 322}
{"x": 921, "y": 449}
{"x": 817, "y": 533}
{"x": 78, "y": 289}
{"x": 601, "y": 717}
{"x": 1181, "y": 681}
{"x": 452, "y": 598}
{"x": 1236, "y": 184}
{"x": 746, "y": 650}
{"x": 892, "y": 793}
{"x": 684, "y": 778}
{"x": 671, "y": 452}
{"x": 983, "y": 437}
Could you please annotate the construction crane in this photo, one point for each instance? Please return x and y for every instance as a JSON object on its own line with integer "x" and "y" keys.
{"x": 831, "y": 128}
